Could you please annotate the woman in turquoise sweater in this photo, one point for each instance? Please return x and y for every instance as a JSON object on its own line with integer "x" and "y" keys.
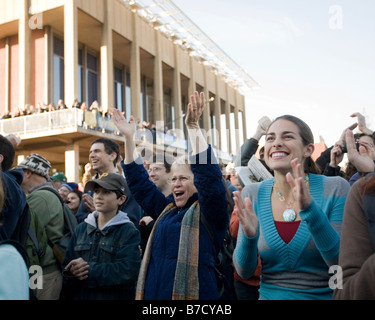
{"x": 293, "y": 220}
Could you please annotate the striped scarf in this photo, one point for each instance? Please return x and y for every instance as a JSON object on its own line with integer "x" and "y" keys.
{"x": 186, "y": 283}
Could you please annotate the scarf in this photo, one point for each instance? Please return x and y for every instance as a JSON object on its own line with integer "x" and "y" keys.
{"x": 186, "y": 282}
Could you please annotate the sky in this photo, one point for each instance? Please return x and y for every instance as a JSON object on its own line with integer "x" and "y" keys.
{"x": 314, "y": 59}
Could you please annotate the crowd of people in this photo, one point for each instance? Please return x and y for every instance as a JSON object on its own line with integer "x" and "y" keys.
{"x": 141, "y": 223}
{"x": 30, "y": 109}
{"x": 41, "y": 107}
{"x": 97, "y": 121}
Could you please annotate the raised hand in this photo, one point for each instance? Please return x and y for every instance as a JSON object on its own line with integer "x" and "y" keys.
{"x": 361, "y": 123}
{"x": 300, "y": 189}
{"x": 361, "y": 159}
{"x": 14, "y": 140}
{"x": 336, "y": 156}
{"x": 125, "y": 127}
{"x": 195, "y": 110}
{"x": 341, "y": 141}
{"x": 246, "y": 215}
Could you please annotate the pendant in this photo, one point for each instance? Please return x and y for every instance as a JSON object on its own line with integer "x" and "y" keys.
{"x": 289, "y": 215}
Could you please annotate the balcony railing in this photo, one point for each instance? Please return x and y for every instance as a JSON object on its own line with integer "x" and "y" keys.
{"x": 41, "y": 122}
{"x": 60, "y": 120}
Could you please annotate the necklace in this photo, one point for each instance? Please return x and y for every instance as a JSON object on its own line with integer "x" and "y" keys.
{"x": 289, "y": 215}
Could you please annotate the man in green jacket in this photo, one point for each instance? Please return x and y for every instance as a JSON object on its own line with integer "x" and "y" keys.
{"x": 48, "y": 208}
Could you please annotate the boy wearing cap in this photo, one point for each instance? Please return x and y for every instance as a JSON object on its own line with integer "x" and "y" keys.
{"x": 102, "y": 259}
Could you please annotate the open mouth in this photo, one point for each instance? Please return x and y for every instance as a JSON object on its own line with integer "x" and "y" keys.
{"x": 279, "y": 154}
{"x": 178, "y": 195}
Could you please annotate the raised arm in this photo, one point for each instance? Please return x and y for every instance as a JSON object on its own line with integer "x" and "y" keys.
{"x": 144, "y": 191}
{"x": 128, "y": 130}
{"x": 362, "y": 123}
{"x": 250, "y": 146}
{"x": 361, "y": 159}
{"x": 194, "y": 112}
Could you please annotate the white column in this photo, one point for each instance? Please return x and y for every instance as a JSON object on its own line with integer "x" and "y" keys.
{"x": 106, "y": 60}
{"x": 177, "y": 90}
{"x": 70, "y": 51}
{"x": 72, "y": 163}
{"x": 158, "y": 83}
{"x": 6, "y": 76}
{"x": 48, "y": 65}
{"x": 206, "y": 111}
{"x": 135, "y": 71}
{"x": 218, "y": 113}
{"x": 227, "y": 119}
{"x": 24, "y": 42}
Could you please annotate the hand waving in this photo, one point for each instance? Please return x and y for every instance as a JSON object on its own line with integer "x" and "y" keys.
{"x": 125, "y": 127}
{"x": 195, "y": 110}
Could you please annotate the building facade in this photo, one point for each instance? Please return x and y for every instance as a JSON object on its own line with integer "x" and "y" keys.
{"x": 110, "y": 52}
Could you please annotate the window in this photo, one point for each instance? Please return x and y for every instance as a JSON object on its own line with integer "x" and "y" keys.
{"x": 80, "y": 76}
{"x": 128, "y": 97}
{"x": 92, "y": 79}
{"x": 119, "y": 89}
{"x": 58, "y": 70}
{"x": 146, "y": 98}
{"x": 169, "y": 111}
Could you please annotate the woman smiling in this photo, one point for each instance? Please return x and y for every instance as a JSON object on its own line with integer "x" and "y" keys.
{"x": 293, "y": 220}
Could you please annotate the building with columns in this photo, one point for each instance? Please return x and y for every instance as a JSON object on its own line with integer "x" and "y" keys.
{"x": 143, "y": 57}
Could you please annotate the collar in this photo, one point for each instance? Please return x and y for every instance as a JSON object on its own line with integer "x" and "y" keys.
{"x": 91, "y": 220}
{"x": 48, "y": 183}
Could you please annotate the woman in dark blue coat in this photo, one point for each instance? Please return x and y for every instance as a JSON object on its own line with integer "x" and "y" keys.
{"x": 179, "y": 259}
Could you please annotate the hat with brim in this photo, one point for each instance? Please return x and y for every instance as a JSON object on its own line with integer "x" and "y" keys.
{"x": 108, "y": 181}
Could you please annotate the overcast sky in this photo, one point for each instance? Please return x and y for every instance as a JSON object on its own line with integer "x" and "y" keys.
{"x": 313, "y": 59}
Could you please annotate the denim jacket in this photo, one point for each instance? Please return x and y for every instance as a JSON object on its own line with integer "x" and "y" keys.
{"x": 112, "y": 254}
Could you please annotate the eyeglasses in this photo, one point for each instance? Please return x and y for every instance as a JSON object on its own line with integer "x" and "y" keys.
{"x": 182, "y": 179}
{"x": 154, "y": 169}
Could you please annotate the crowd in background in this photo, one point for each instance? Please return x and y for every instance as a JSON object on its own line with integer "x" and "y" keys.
{"x": 142, "y": 233}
